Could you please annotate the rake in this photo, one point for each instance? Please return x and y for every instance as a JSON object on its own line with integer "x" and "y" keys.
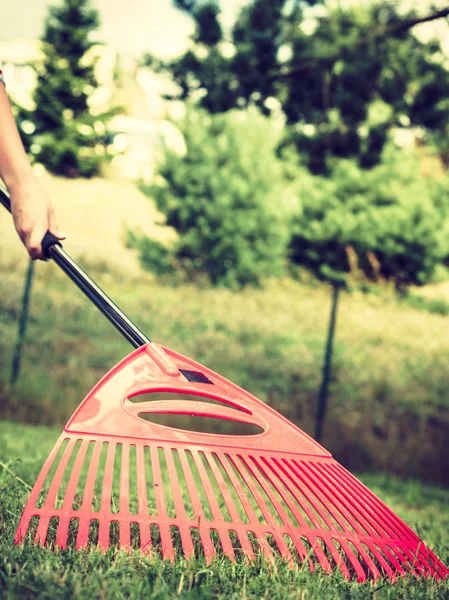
{"x": 117, "y": 476}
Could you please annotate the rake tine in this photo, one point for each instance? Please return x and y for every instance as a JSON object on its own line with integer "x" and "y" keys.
{"x": 361, "y": 575}
{"x": 382, "y": 561}
{"x": 397, "y": 527}
{"x": 198, "y": 510}
{"x": 337, "y": 553}
{"x": 333, "y": 498}
{"x": 184, "y": 532}
{"x": 368, "y": 561}
{"x": 124, "y": 480}
{"x": 167, "y": 547}
{"x": 358, "y": 510}
{"x": 234, "y": 514}
{"x": 41, "y": 532}
{"x": 50, "y": 500}
{"x": 74, "y": 477}
{"x": 394, "y": 560}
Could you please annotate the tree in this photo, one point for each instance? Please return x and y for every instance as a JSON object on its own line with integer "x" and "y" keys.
{"x": 64, "y": 136}
{"x": 224, "y": 197}
{"x": 343, "y": 80}
{"x": 390, "y": 222}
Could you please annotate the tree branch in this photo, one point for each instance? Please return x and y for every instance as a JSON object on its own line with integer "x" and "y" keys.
{"x": 326, "y": 61}
{"x": 406, "y": 25}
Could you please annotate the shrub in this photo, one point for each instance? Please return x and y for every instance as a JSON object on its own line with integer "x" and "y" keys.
{"x": 390, "y": 221}
{"x": 72, "y": 155}
{"x": 436, "y": 306}
{"x": 226, "y": 197}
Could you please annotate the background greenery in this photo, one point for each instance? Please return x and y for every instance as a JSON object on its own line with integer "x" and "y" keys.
{"x": 342, "y": 75}
{"x": 226, "y": 199}
{"x": 292, "y": 181}
{"x": 342, "y": 82}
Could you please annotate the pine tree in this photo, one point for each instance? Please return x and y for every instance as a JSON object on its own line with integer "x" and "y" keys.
{"x": 65, "y": 138}
{"x": 226, "y": 198}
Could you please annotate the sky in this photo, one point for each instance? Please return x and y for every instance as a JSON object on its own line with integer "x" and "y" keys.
{"x": 135, "y": 26}
{"x": 130, "y": 26}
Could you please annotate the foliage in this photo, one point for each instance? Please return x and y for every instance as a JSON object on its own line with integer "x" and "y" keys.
{"x": 30, "y": 571}
{"x": 224, "y": 198}
{"x": 61, "y": 132}
{"x": 153, "y": 255}
{"x": 432, "y": 305}
{"x": 343, "y": 77}
{"x": 389, "y": 222}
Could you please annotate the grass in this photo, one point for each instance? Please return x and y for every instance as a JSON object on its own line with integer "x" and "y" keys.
{"x": 389, "y": 406}
{"x": 30, "y": 571}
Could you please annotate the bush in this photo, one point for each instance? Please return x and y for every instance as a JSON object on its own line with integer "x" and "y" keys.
{"x": 153, "y": 253}
{"x": 436, "y": 306}
{"x": 390, "y": 221}
{"x": 226, "y": 197}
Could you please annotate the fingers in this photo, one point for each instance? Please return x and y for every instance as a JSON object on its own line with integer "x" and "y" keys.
{"x": 33, "y": 217}
{"x": 29, "y": 232}
{"x": 34, "y": 242}
{"x": 32, "y": 231}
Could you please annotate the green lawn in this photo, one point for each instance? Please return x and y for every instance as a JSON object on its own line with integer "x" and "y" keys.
{"x": 388, "y": 405}
{"x": 29, "y": 572}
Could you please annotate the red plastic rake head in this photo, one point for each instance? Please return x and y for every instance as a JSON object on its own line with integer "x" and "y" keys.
{"x": 113, "y": 476}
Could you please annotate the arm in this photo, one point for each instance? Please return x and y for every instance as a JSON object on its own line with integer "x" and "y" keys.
{"x": 31, "y": 207}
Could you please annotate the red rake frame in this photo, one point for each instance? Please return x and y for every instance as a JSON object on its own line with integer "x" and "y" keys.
{"x": 277, "y": 492}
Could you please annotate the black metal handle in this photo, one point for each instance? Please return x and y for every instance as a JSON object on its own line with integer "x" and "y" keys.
{"x": 48, "y": 241}
{"x": 54, "y": 250}
{"x": 4, "y": 199}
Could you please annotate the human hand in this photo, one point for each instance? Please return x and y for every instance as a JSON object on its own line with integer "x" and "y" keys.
{"x": 33, "y": 215}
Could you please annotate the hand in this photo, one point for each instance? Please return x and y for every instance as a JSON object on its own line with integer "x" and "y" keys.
{"x": 33, "y": 215}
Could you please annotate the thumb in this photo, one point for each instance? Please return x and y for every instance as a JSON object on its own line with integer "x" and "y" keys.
{"x": 53, "y": 228}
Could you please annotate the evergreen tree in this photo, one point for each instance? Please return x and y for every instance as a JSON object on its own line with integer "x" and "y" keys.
{"x": 226, "y": 198}
{"x": 390, "y": 222}
{"x": 343, "y": 79}
{"x": 65, "y": 137}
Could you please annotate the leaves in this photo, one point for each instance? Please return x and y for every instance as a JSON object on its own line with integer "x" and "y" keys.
{"x": 340, "y": 62}
{"x": 223, "y": 199}
{"x": 65, "y": 80}
{"x": 393, "y": 218}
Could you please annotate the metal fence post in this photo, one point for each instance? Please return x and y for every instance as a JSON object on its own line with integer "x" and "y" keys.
{"x": 327, "y": 373}
{"x": 23, "y": 320}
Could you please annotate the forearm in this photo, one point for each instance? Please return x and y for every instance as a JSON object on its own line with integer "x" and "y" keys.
{"x": 31, "y": 208}
{"x": 15, "y": 168}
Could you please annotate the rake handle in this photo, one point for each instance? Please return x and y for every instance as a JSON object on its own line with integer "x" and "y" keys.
{"x": 52, "y": 248}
